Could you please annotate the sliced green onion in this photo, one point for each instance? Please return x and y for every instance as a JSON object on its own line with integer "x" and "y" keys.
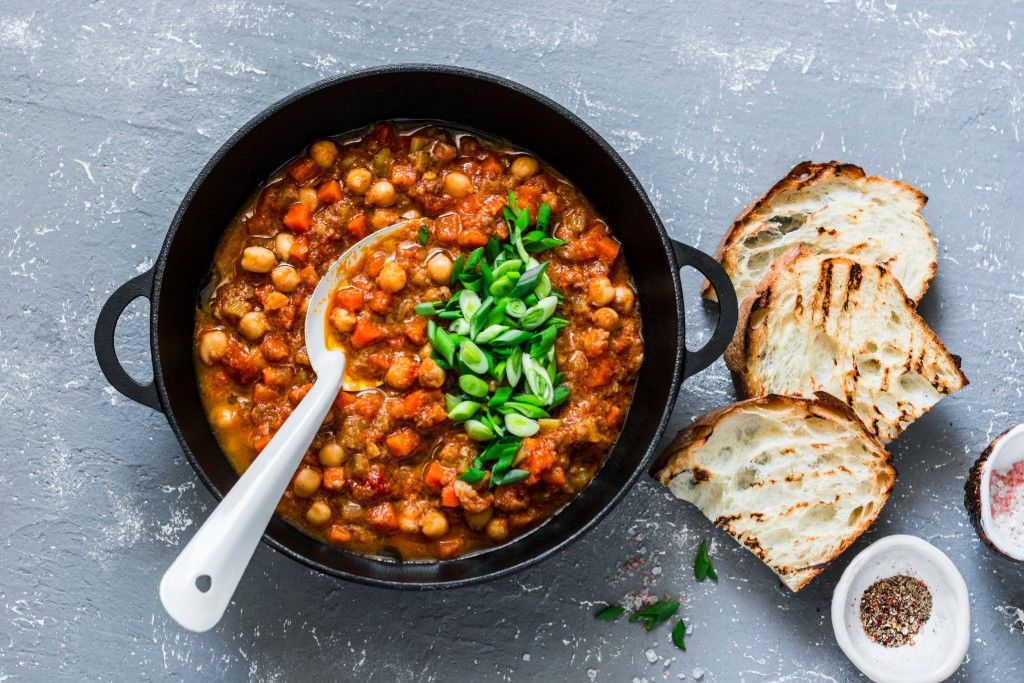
{"x": 528, "y": 281}
{"x": 543, "y": 286}
{"x": 515, "y": 308}
{"x": 423, "y": 236}
{"x": 521, "y": 426}
{"x": 540, "y": 312}
{"x": 543, "y": 216}
{"x": 501, "y": 395}
{"x": 450, "y": 315}
{"x": 474, "y": 359}
{"x": 457, "y": 266}
{"x": 512, "y": 337}
{"x": 497, "y": 371}
{"x": 543, "y": 341}
{"x": 510, "y": 266}
{"x": 490, "y": 333}
{"x": 525, "y": 409}
{"x": 472, "y": 476}
{"x": 450, "y": 402}
{"x": 478, "y": 431}
{"x": 560, "y": 395}
{"x": 474, "y": 386}
{"x": 441, "y": 342}
{"x": 514, "y": 367}
{"x": 510, "y": 477}
{"x": 460, "y": 326}
{"x": 469, "y": 303}
{"x": 463, "y": 411}
{"x": 538, "y": 381}
{"x": 502, "y": 286}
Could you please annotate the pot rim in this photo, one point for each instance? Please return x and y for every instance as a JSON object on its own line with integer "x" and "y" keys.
{"x": 678, "y": 367}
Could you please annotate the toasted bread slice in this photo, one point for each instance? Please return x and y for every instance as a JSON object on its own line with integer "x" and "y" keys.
{"x": 832, "y": 207}
{"x": 828, "y": 322}
{"x": 794, "y": 480}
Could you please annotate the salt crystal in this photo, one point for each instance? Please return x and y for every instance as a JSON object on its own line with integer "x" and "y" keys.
{"x": 656, "y": 571}
{"x": 652, "y": 656}
{"x": 698, "y": 673}
{"x": 526, "y": 656}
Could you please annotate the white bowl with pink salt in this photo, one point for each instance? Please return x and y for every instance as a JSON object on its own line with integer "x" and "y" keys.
{"x": 995, "y": 494}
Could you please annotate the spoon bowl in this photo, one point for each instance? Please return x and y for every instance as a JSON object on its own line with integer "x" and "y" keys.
{"x": 197, "y": 587}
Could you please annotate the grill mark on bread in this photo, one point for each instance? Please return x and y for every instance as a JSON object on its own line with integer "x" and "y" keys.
{"x": 825, "y": 287}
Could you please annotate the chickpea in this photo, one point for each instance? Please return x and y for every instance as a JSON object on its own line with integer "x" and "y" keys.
{"x": 497, "y": 529}
{"x": 306, "y": 482}
{"x": 382, "y": 218}
{"x": 439, "y": 268}
{"x": 283, "y": 244}
{"x": 253, "y": 325}
{"x": 392, "y": 277}
{"x": 224, "y": 416}
{"x": 524, "y": 167}
{"x": 285, "y": 278}
{"x": 408, "y": 525}
{"x": 274, "y": 301}
{"x": 319, "y": 513}
{"x": 342, "y": 320}
{"x": 308, "y": 198}
{"x": 624, "y": 298}
{"x": 258, "y": 260}
{"x": 331, "y": 454}
{"x": 358, "y": 180}
{"x": 606, "y": 318}
{"x": 351, "y": 511}
{"x": 431, "y": 375}
{"x": 401, "y": 374}
{"x": 323, "y": 152}
{"x": 212, "y": 346}
{"x": 600, "y": 291}
{"x": 457, "y": 184}
{"x": 381, "y": 193}
{"x": 434, "y": 524}
{"x": 478, "y": 520}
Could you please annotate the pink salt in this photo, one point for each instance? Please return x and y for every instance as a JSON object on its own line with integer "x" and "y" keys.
{"x": 1007, "y": 490}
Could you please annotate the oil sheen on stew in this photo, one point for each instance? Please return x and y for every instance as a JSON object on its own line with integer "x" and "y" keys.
{"x": 400, "y": 467}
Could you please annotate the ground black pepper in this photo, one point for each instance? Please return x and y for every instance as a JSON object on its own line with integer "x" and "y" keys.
{"x": 893, "y": 610}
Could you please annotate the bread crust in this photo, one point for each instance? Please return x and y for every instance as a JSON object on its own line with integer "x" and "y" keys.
{"x": 803, "y": 175}
{"x": 737, "y": 353}
{"x": 677, "y": 458}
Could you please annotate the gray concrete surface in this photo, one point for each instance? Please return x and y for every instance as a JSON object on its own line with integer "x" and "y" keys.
{"x": 108, "y": 110}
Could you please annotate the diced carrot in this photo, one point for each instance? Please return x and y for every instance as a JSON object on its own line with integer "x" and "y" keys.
{"x": 309, "y": 276}
{"x": 329, "y": 192}
{"x": 416, "y": 330}
{"x": 446, "y": 228}
{"x": 367, "y": 405}
{"x": 403, "y": 442}
{"x": 338, "y": 534}
{"x": 299, "y": 251}
{"x": 343, "y": 399}
{"x": 494, "y": 204}
{"x": 277, "y": 376}
{"x": 380, "y": 301}
{"x": 382, "y": 517}
{"x": 438, "y": 475}
{"x": 298, "y": 218}
{"x": 333, "y": 478}
{"x": 470, "y": 204}
{"x": 349, "y": 298}
{"x": 449, "y": 498}
{"x": 414, "y": 401}
{"x": 366, "y": 333}
{"x": 375, "y": 264}
{"x": 299, "y": 393}
{"x": 556, "y": 477}
{"x": 490, "y": 167}
{"x": 599, "y": 373}
{"x": 613, "y": 415}
{"x": 607, "y": 249}
{"x": 302, "y": 169}
{"x": 261, "y": 393}
{"x": 449, "y": 547}
{"x": 274, "y": 348}
{"x": 358, "y": 226}
{"x": 470, "y": 239}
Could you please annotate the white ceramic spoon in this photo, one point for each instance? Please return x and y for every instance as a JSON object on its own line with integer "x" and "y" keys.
{"x": 196, "y": 589}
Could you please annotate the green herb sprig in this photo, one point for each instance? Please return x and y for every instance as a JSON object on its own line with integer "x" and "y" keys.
{"x": 702, "y": 567}
{"x": 655, "y": 613}
{"x": 497, "y": 332}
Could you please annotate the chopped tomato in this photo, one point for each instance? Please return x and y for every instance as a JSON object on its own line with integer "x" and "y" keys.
{"x": 438, "y": 475}
{"x": 416, "y": 330}
{"x": 333, "y": 478}
{"x": 490, "y": 167}
{"x": 329, "y": 192}
{"x": 366, "y": 333}
{"x": 380, "y": 301}
{"x": 261, "y": 393}
{"x": 343, "y": 399}
{"x": 607, "y": 249}
{"x": 382, "y": 517}
{"x": 446, "y": 228}
{"x": 494, "y": 204}
{"x": 403, "y": 442}
{"x": 302, "y": 169}
{"x": 298, "y": 218}
{"x": 349, "y": 298}
{"x": 449, "y": 498}
{"x": 338, "y": 534}
{"x": 358, "y": 226}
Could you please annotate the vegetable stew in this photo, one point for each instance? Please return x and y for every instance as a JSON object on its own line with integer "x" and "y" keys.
{"x": 497, "y": 338}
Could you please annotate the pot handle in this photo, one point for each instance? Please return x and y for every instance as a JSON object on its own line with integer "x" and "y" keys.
{"x": 728, "y": 310}
{"x": 103, "y": 339}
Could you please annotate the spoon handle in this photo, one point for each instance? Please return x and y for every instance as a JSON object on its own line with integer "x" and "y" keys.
{"x": 197, "y": 587}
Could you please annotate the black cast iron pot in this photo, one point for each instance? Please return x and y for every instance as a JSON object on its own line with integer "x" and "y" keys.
{"x": 467, "y": 99}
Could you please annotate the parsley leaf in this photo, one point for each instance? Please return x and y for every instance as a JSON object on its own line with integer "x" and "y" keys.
{"x": 679, "y": 635}
{"x": 702, "y": 568}
{"x": 610, "y": 613}
{"x": 655, "y": 613}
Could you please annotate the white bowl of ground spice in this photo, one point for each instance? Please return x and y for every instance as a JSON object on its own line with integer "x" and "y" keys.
{"x": 901, "y": 612}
